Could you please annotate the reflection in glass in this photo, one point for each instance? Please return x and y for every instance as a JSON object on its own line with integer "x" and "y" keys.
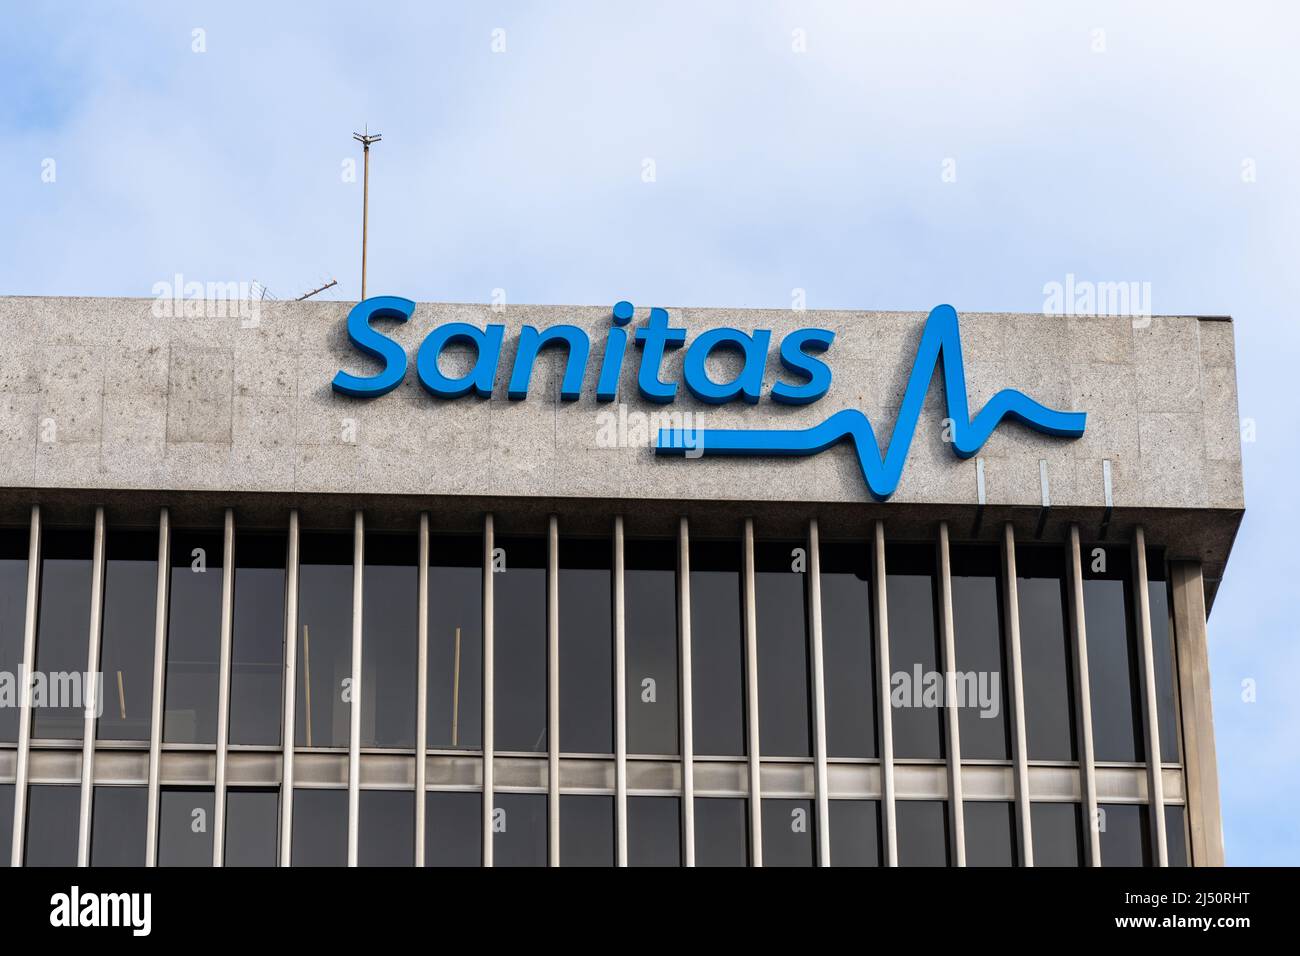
{"x": 855, "y": 825}
{"x": 13, "y": 610}
{"x": 519, "y": 829}
{"x": 126, "y": 649}
{"x": 788, "y": 833}
{"x": 650, "y": 636}
{"x": 586, "y": 830}
{"x": 185, "y": 826}
{"x": 1057, "y": 833}
{"x": 784, "y": 722}
{"x": 915, "y": 694}
{"x": 717, "y": 649}
{"x": 519, "y": 596}
{"x": 654, "y": 831}
{"x": 6, "y": 815}
{"x": 721, "y": 829}
{"x": 320, "y": 827}
{"x": 849, "y": 651}
{"x": 586, "y": 648}
{"x": 52, "y": 812}
{"x": 386, "y": 828}
{"x": 922, "y": 832}
{"x": 324, "y": 642}
{"x": 193, "y": 638}
{"x": 453, "y": 828}
{"x": 1162, "y": 656}
{"x": 455, "y": 706}
{"x": 1112, "y": 654}
{"x": 990, "y": 831}
{"x": 252, "y": 827}
{"x": 390, "y": 641}
{"x": 1176, "y": 834}
{"x": 63, "y": 632}
{"x": 980, "y": 662}
{"x": 257, "y": 648}
{"x": 117, "y": 830}
{"x": 1045, "y": 655}
{"x": 1125, "y": 834}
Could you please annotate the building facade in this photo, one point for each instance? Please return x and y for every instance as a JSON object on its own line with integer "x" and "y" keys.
{"x": 629, "y": 602}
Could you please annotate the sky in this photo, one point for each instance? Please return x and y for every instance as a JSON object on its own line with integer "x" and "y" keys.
{"x": 884, "y": 156}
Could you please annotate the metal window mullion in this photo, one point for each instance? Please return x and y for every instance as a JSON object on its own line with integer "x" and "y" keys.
{"x": 421, "y": 686}
{"x": 25, "y": 669}
{"x": 819, "y": 695}
{"x": 223, "y": 688}
{"x": 94, "y": 690}
{"x": 751, "y": 699}
{"x": 553, "y": 691}
{"x": 687, "y": 734}
{"x": 951, "y": 713}
{"x": 489, "y": 729}
{"x": 1083, "y": 695}
{"x": 1019, "y": 747}
{"x": 159, "y": 675}
{"x": 290, "y": 729}
{"x": 620, "y": 698}
{"x": 890, "y": 825}
{"x": 354, "y": 732}
{"x": 1155, "y": 779}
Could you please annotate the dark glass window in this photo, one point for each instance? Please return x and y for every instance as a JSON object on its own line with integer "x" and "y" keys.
{"x": 1058, "y": 833}
{"x": 455, "y": 719}
{"x": 320, "y": 827}
{"x": 126, "y": 648}
{"x": 922, "y": 832}
{"x": 981, "y": 682}
{"x": 52, "y": 812}
{"x": 519, "y": 830}
{"x": 1162, "y": 656}
{"x": 1125, "y": 833}
{"x": 1112, "y": 654}
{"x": 386, "y": 828}
{"x": 117, "y": 829}
{"x": 62, "y": 634}
{"x": 257, "y": 647}
{"x": 453, "y": 828}
{"x": 1046, "y": 657}
{"x": 519, "y": 630}
{"x": 193, "y": 638}
{"x": 654, "y": 831}
{"x": 784, "y": 722}
{"x": 650, "y": 645}
{"x": 990, "y": 831}
{"x": 252, "y": 827}
{"x": 721, "y": 828}
{"x": 916, "y": 684}
{"x": 586, "y": 830}
{"x": 1176, "y": 834}
{"x": 13, "y": 611}
{"x": 848, "y": 651}
{"x": 586, "y": 648}
{"x": 717, "y": 649}
{"x": 390, "y": 641}
{"x": 185, "y": 827}
{"x": 855, "y": 832}
{"x": 324, "y": 637}
{"x": 789, "y": 834}
{"x": 6, "y": 823}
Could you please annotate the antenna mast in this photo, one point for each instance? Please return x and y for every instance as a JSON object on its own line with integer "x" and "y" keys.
{"x": 365, "y": 139}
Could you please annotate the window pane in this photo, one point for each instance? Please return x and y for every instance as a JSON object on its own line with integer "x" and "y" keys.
{"x": 453, "y": 828}
{"x": 386, "y": 828}
{"x": 6, "y": 823}
{"x": 126, "y": 649}
{"x": 1112, "y": 654}
{"x": 320, "y": 827}
{"x": 1125, "y": 834}
{"x": 855, "y": 832}
{"x": 257, "y": 649}
{"x": 52, "y": 813}
{"x": 654, "y": 831}
{"x": 324, "y": 642}
{"x": 922, "y": 832}
{"x": 1162, "y": 656}
{"x": 788, "y": 833}
{"x": 916, "y": 686}
{"x": 185, "y": 827}
{"x": 519, "y": 594}
{"x": 117, "y": 831}
{"x": 252, "y": 827}
{"x": 586, "y": 830}
{"x": 1045, "y": 655}
{"x": 13, "y": 610}
{"x": 519, "y": 830}
{"x": 721, "y": 828}
{"x": 990, "y": 831}
{"x": 62, "y": 633}
{"x": 455, "y": 643}
{"x": 586, "y": 647}
{"x": 784, "y": 723}
{"x": 650, "y": 641}
{"x": 1058, "y": 833}
{"x": 193, "y": 638}
{"x": 1176, "y": 834}
{"x": 848, "y": 651}
{"x": 980, "y": 661}
{"x": 717, "y": 649}
{"x": 390, "y": 641}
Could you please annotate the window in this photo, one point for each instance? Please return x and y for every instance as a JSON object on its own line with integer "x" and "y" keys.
{"x": 257, "y": 644}
{"x": 252, "y": 827}
{"x": 193, "y": 638}
{"x": 324, "y": 643}
{"x": 390, "y": 641}
{"x": 717, "y": 649}
{"x": 721, "y": 830}
{"x": 1176, "y": 834}
{"x": 1058, "y": 834}
{"x": 185, "y": 827}
{"x": 922, "y": 832}
{"x": 784, "y": 720}
{"x": 127, "y": 645}
{"x": 453, "y": 828}
{"x": 52, "y": 812}
{"x": 586, "y": 830}
{"x": 1112, "y": 655}
{"x": 1125, "y": 834}
{"x": 519, "y": 624}
{"x": 117, "y": 831}
{"x": 983, "y": 714}
{"x": 320, "y": 827}
{"x": 6, "y": 814}
{"x": 13, "y": 610}
{"x": 654, "y": 831}
{"x": 855, "y": 831}
{"x": 848, "y": 651}
{"x": 1046, "y": 656}
{"x": 1162, "y": 657}
{"x": 650, "y": 645}
{"x": 519, "y": 834}
{"x": 386, "y": 828}
{"x": 916, "y": 684}
{"x": 63, "y": 634}
{"x": 990, "y": 831}
{"x": 789, "y": 834}
{"x": 586, "y": 647}
{"x": 455, "y": 718}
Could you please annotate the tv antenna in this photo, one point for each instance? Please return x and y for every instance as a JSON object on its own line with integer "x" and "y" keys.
{"x": 319, "y": 288}
{"x": 365, "y": 139}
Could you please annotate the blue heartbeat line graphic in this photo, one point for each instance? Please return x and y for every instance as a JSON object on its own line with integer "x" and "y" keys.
{"x": 941, "y": 337}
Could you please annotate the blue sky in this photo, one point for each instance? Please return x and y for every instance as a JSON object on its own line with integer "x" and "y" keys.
{"x": 1113, "y": 155}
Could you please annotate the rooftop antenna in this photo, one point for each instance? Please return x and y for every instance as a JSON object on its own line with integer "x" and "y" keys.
{"x": 322, "y": 288}
{"x": 365, "y": 139}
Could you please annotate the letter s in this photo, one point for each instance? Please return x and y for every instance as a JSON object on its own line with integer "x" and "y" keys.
{"x": 794, "y": 356}
{"x": 377, "y": 345}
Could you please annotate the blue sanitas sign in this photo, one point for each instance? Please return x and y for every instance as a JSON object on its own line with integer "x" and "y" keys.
{"x": 799, "y": 351}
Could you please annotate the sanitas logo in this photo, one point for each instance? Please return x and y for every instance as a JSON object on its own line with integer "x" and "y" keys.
{"x": 940, "y": 342}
